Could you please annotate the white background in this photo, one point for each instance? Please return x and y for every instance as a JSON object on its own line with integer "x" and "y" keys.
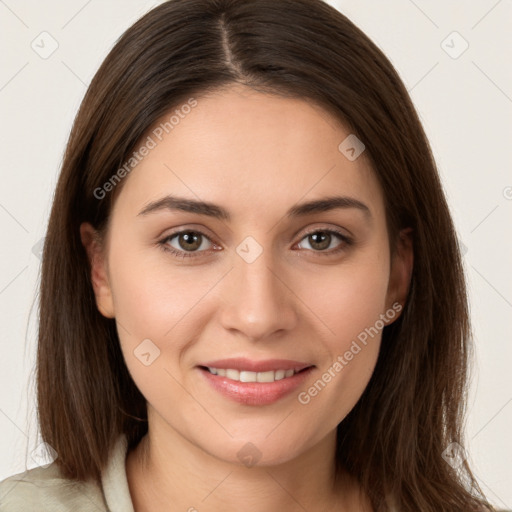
{"x": 465, "y": 104}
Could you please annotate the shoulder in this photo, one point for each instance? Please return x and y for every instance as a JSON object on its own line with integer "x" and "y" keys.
{"x": 44, "y": 489}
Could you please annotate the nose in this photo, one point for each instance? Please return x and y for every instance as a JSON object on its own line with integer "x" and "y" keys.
{"x": 258, "y": 301}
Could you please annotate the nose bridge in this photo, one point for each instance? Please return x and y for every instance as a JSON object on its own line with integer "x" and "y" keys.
{"x": 258, "y": 303}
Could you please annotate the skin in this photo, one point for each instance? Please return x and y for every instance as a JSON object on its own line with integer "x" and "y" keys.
{"x": 256, "y": 155}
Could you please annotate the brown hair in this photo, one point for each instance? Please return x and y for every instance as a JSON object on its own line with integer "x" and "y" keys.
{"x": 414, "y": 405}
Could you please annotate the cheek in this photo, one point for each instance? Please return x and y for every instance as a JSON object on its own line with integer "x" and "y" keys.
{"x": 351, "y": 304}
{"x": 151, "y": 294}
{"x": 152, "y": 303}
{"x": 155, "y": 315}
{"x": 341, "y": 379}
{"x": 351, "y": 298}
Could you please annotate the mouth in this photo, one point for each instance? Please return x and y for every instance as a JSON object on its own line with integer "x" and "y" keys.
{"x": 248, "y": 376}
{"x": 255, "y": 382}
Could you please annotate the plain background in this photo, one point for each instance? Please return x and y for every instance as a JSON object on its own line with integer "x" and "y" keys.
{"x": 464, "y": 99}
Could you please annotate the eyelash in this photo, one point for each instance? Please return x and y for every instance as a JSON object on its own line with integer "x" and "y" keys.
{"x": 346, "y": 241}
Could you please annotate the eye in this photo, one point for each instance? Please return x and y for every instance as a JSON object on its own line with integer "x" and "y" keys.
{"x": 185, "y": 243}
{"x": 191, "y": 243}
{"x": 322, "y": 239}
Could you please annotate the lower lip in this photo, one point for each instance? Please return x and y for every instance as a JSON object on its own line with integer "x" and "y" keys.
{"x": 256, "y": 393}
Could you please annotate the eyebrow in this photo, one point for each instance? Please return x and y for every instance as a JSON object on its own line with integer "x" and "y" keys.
{"x": 174, "y": 203}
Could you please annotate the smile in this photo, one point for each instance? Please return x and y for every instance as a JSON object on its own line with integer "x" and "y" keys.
{"x": 246, "y": 376}
{"x": 252, "y": 382}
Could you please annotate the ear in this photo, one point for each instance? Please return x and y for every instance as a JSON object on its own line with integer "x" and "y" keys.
{"x": 98, "y": 267}
{"x": 401, "y": 271}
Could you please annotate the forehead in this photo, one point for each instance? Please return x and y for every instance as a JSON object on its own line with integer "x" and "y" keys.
{"x": 254, "y": 153}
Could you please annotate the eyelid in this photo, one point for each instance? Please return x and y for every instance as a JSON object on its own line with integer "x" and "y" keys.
{"x": 336, "y": 230}
{"x": 325, "y": 226}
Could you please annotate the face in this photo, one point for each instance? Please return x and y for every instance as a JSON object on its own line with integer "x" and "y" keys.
{"x": 251, "y": 284}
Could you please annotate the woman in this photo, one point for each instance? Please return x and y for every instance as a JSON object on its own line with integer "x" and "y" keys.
{"x": 229, "y": 156}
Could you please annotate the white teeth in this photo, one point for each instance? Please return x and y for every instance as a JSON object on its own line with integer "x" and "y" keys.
{"x": 279, "y": 374}
{"x": 233, "y": 374}
{"x": 265, "y": 376}
{"x": 246, "y": 376}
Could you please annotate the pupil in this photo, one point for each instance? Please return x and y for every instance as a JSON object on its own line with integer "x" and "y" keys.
{"x": 320, "y": 239}
{"x": 190, "y": 239}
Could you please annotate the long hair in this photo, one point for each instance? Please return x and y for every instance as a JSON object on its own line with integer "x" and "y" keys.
{"x": 394, "y": 439}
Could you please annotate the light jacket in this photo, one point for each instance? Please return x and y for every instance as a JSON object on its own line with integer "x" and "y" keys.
{"x": 43, "y": 489}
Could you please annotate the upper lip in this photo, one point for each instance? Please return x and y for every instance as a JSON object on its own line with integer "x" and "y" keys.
{"x": 244, "y": 364}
